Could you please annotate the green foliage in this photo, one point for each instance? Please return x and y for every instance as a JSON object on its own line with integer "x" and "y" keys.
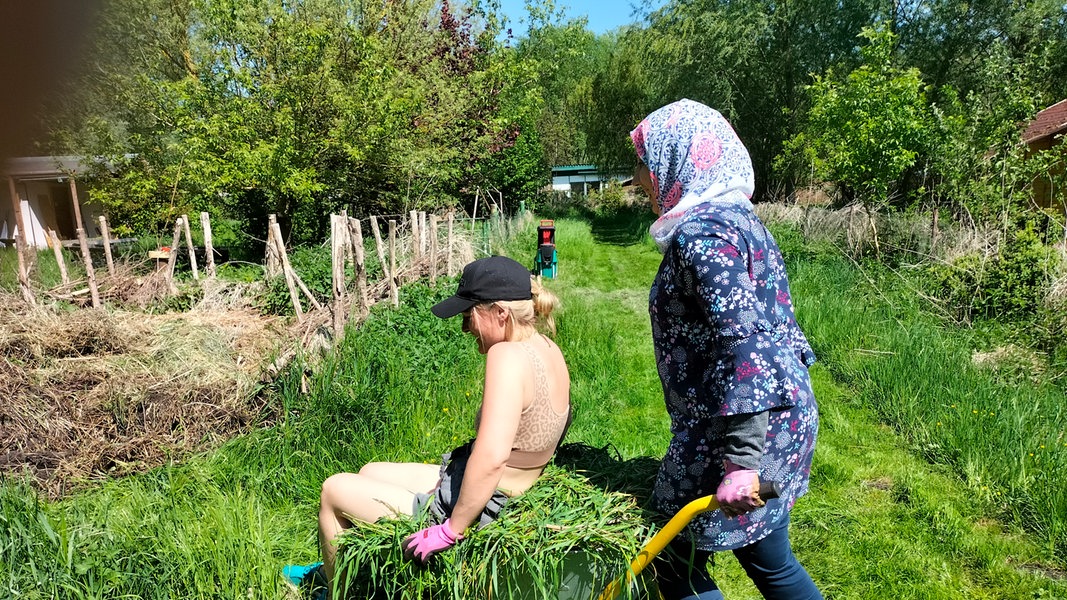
{"x": 865, "y": 131}
{"x": 1012, "y": 284}
{"x": 295, "y": 109}
{"x": 610, "y": 200}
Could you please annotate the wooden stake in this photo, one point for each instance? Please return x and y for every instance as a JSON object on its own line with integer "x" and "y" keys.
{"x": 337, "y": 254}
{"x": 20, "y": 245}
{"x": 192, "y": 249}
{"x": 379, "y": 246}
{"x": 209, "y": 246}
{"x": 173, "y": 258}
{"x": 422, "y": 233}
{"x": 416, "y": 250}
{"x": 90, "y": 274}
{"x": 77, "y": 203}
{"x": 290, "y": 282}
{"x": 394, "y": 294}
{"x": 433, "y": 249}
{"x": 355, "y": 230}
{"x": 274, "y": 261}
{"x": 105, "y": 233}
{"x": 57, "y": 248}
{"x": 287, "y": 266}
{"x": 448, "y": 259}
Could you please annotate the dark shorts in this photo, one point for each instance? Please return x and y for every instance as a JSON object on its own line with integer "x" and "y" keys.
{"x": 439, "y": 503}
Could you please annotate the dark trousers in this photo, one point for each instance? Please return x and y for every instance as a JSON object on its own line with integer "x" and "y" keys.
{"x": 682, "y": 571}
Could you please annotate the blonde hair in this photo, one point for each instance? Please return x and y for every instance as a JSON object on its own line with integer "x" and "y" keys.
{"x": 528, "y": 317}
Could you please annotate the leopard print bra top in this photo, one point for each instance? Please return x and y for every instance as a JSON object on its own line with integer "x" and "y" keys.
{"x": 541, "y": 428}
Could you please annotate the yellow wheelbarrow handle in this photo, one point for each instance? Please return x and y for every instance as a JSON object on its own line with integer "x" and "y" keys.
{"x": 767, "y": 490}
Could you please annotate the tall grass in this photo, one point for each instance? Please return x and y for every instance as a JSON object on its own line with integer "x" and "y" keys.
{"x": 1004, "y": 437}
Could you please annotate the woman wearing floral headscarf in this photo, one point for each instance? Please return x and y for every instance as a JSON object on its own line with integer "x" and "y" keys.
{"x": 732, "y": 360}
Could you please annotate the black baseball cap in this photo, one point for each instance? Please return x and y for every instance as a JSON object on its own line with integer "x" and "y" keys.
{"x": 486, "y": 280}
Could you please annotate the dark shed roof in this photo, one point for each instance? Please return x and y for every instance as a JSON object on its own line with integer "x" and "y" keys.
{"x": 1047, "y": 123}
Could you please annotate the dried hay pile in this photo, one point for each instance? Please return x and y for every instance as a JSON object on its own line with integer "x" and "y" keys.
{"x": 564, "y": 538}
{"x": 95, "y": 393}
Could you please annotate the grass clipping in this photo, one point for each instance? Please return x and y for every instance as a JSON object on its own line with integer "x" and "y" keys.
{"x": 564, "y": 538}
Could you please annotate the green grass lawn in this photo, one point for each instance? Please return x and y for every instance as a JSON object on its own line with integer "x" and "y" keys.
{"x": 900, "y": 507}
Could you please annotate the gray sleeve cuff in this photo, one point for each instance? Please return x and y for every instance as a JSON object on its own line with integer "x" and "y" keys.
{"x": 746, "y": 436}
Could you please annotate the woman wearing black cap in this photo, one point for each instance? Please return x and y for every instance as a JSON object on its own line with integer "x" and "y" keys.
{"x": 524, "y": 414}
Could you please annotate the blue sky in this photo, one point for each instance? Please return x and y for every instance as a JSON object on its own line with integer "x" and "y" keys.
{"x": 604, "y": 15}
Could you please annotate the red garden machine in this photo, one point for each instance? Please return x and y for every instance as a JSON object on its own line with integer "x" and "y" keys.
{"x": 545, "y": 264}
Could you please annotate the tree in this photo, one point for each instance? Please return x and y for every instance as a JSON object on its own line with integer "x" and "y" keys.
{"x": 295, "y": 108}
{"x": 866, "y": 130}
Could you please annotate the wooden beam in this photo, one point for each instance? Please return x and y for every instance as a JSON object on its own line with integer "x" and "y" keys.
{"x": 20, "y": 245}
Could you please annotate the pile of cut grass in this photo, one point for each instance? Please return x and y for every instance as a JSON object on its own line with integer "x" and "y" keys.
{"x": 564, "y": 538}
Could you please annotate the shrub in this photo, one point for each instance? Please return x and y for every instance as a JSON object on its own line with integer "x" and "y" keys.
{"x": 1011, "y": 283}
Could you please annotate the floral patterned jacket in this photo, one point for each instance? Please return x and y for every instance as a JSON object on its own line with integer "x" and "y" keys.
{"x": 727, "y": 343}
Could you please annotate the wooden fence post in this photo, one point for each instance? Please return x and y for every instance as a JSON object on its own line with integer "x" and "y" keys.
{"x": 422, "y": 233}
{"x": 290, "y": 282}
{"x": 274, "y": 261}
{"x": 394, "y": 294}
{"x": 90, "y": 274}
{"x": 57, "y": 248}
{"x": 20, "y": 245}
{"x": 337, "y": 256}
{"x": 105, "y": 233}
{"x": 173, "y": 258}
{"x": 448, "y": 261}
{"x": 415, "y": 249}
{"x": 355, "y": 230}
{"x": 379, "y": 246}
{"x": 433, "y": 250}
{"x": 209, "y": 246}
{"x": 192, "y": 248}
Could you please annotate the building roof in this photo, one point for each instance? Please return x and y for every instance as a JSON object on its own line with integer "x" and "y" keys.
{"x": 1047, "y": 123}
{"x": 31, "y": 167}
{"x": 574, "y": 169}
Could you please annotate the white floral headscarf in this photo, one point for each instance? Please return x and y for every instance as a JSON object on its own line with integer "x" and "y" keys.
{"x": 694, "y": 157}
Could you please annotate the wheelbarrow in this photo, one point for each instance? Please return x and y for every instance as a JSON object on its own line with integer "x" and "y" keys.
{"x": 767, "y": 490}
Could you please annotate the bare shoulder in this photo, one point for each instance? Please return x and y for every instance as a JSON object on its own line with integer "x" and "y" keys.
{"x": 507, "y": 355}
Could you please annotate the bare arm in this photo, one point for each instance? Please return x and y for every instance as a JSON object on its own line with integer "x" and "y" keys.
{"x": 506, "y": 368}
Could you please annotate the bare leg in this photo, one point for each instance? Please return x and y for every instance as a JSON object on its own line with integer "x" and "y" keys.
{"x": 378, "y": 490}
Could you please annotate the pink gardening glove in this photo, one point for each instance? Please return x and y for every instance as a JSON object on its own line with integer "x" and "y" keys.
{"x": 739, "y": 491}
{"x": 423, "y": 544}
